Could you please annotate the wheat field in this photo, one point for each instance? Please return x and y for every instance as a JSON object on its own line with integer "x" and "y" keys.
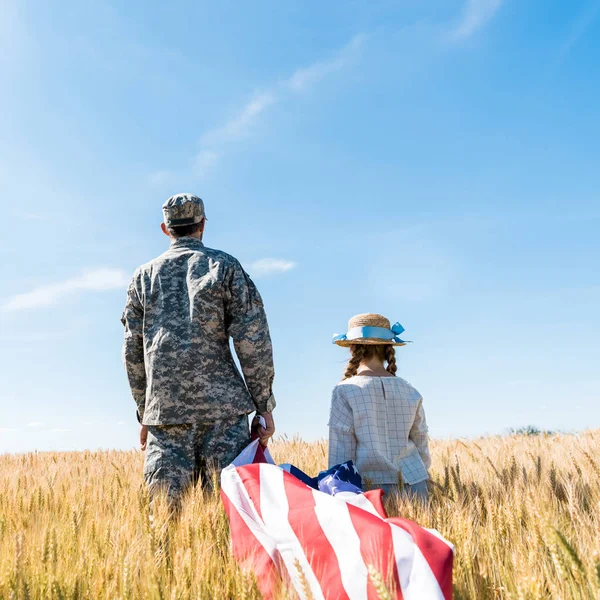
{"x": 522, "y": 511}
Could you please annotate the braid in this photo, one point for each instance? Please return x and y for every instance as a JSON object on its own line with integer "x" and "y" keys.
{"x": 390, "y": 356}
{"x": 354, "y": 362}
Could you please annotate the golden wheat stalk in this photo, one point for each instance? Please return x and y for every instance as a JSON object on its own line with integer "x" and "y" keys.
{"x": 77, "y": 525}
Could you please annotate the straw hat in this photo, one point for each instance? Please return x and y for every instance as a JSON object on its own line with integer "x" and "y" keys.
{"x": 371, "y": 329}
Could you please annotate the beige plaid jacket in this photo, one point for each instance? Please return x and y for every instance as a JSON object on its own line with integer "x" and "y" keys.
{"x": 379, "y": 423}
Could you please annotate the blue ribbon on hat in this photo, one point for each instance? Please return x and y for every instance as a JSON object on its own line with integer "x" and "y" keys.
{"x": 381, "y": 333}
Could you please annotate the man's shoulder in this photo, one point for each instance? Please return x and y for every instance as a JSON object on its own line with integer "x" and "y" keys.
{"x": 147, "y": 267}
{"x": 221, "y": 256}
{"x": 211, "y": 254}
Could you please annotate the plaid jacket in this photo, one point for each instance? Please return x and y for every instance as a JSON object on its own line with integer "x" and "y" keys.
{"x": 379, "y": 423}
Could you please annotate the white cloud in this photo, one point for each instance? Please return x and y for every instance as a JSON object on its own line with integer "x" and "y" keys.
{"x": 59, "y": 430}
{"x": 306, "y": 77}
{"x": 121, "y": 423}
{"x": 204, "y": 161}
{"x": 476, "y": 13}
{"x": 46, "y": 295}
{"x": 7, "y": 430}
{"x": 242, "y": 124}
{"x": 35, "y": 424}
{"x": 270, "y": 266}
{"x": 578, "y": 29}
{"x": 239, "y": 125}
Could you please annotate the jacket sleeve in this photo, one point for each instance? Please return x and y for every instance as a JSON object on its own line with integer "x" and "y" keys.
{"x": 133, "y": 348}
{"x": 342, "y": 439}
{"x": 246, "y": 323}
{"x": 418, "y": 434}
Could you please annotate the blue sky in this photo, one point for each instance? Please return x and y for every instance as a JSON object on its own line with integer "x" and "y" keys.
{"x": 433, "y": 161}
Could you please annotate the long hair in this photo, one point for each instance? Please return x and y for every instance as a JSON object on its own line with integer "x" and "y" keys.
{"x": 360, "y": 352}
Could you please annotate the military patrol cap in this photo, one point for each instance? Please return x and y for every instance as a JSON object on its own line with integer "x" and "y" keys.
{"x": 183, "y": 209}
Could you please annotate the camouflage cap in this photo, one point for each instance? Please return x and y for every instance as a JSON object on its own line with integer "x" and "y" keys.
{"x": 183, "y": 209}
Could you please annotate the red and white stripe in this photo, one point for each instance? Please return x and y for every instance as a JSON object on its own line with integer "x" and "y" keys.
{"x": 283, "y": 529}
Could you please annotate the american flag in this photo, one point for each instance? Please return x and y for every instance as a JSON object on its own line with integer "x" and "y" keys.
{"x": 340, "y": 546}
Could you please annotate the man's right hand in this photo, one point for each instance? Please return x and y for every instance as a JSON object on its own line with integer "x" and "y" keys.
{"x": 264, "y": 433}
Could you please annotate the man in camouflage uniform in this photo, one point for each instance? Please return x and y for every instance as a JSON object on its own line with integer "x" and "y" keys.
{"x": 181, "y": 310}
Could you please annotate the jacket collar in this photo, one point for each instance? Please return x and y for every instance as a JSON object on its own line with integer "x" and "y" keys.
{"x": 187, "y": 242}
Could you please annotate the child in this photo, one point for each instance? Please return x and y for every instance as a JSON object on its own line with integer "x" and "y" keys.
{"x": 376, "y": 418}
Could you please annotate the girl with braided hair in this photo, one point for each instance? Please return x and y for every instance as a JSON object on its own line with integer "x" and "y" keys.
{"x": 377, "y": 419}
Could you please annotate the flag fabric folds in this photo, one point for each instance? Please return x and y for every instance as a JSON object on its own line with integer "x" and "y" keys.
{"x": 336, "y": 545}
{"x": 253, "y": 453}
{"x": 340, "y": 478}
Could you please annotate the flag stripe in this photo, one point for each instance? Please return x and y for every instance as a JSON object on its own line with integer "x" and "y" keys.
{"x": 377, "y": 549}
{"x": 275, "y": 509}
{"x": 323, "y": 544}
{"x": 236, "y": 494}
{"x": 415, "y": 575}
{"x": 437, "y": 552}
{"x": 317, "y": 548}
{"x": 369, "y": 502}
{"x": 250, "y": 478}
{"x": 375, "y": 499}
{"x": 251, "y": 547}
{"x": 336, "y": 524}
{"x": 249, "y": 553}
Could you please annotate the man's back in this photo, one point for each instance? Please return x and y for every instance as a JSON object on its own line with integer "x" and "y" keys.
{"x": 181, "y": 310}
{"x": 190, "y": 300}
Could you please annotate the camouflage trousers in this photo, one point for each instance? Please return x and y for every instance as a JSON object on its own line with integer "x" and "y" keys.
{"x": 178, "y": 455}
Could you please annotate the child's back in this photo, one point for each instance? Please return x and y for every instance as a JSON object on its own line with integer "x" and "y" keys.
{"x": 380, "y": 423}
{"x": 377, "y": 419}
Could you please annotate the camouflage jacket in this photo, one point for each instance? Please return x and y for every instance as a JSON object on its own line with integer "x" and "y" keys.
{"x": 181, "y": 310}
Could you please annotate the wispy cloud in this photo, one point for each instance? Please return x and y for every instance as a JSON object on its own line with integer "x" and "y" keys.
{"x": 204, "y": 162}
{"x": 242, "y": 124}
{"x": 59, "y": 430}
{"x": 306, "y": 77}
{"x": 35, "y": 424}
{"x": 476, "y": 13}
{"x": 46, "y": 295}
{"x": 7, "y": 429}
{"x": 270, "y": 266}
{"x": 578, "y": 29}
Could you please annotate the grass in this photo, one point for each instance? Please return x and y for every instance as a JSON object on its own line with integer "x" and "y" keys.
{"x": 522, "y": 511}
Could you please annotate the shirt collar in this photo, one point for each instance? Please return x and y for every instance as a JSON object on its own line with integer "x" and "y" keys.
{"x": 186, "y": 242}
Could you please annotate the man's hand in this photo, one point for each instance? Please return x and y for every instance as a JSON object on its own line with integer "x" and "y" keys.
{"x": 143, "y": 436}
{"x": 264, "y": 433}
